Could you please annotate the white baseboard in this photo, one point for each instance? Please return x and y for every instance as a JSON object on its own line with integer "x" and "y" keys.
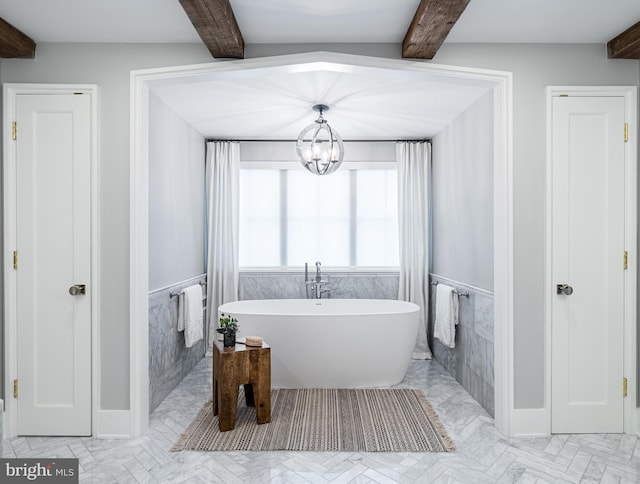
{"x": 114, "y": 424}
{"x": 530, "y": 422}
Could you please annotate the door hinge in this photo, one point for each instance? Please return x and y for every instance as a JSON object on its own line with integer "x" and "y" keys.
{"x": 626, "y": 132}
{"x": 15, "y": 260}
{"x": 624, "y": 387}
{"x": 626, "y": 260}
{"x": 15, "y": 388}
{"x": 14, "y": 131}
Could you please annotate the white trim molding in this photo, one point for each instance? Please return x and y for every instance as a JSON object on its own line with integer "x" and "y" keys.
{"x": 503, "y": 254}
{"x": 10, "y": 93}
{"x": 113, "y": 424}
{"x": 629, "y": 93}
{"x": 529, "y": 422}
{"x": 139, "y": 257}
{"x": 501, "y": 84}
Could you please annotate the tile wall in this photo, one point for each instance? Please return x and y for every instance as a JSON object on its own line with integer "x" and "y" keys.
{"x": 169, "y": 359}
{"x": 471, "y": 362}
{"x": 343, "y": 285}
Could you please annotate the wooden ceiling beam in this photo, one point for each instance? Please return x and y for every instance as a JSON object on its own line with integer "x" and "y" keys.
{"x": 14, "y": 44}
{"x": 216, "y": 24}
{"x": 626, "y": 45}
{"x": 431, "y": 24}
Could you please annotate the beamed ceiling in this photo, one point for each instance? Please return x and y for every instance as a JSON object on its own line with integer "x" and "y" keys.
{"x": 225, "y": 25}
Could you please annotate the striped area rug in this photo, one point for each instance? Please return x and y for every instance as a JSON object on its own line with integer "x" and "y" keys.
{"x": 366, "y": 420}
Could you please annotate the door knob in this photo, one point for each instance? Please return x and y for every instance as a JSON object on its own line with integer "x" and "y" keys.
{"x": 565, "y": 289}
{"x": 77, "y": 289}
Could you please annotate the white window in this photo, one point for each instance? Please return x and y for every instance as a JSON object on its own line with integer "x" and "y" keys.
{"x": 347, "y": 219}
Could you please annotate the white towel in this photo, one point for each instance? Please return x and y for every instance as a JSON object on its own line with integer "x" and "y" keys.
{"x": 446, "y": 315}
{"x": 190, "y": 314}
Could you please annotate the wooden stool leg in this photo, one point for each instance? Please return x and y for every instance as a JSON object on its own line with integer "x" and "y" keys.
{"x": 228, "y": 396}
{"x": 262, "y": 388}
{"x": 214, "y": 383}
{"x": 215, "y": 397}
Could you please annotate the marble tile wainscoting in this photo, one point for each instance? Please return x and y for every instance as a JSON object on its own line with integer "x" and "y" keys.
{"x": 342, "y": 285}
{"x": 471, "y": 362}
{"x": 169, "y": 359}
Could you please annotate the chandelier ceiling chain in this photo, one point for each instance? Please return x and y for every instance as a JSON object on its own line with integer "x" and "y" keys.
{"x": 320, "y": 147}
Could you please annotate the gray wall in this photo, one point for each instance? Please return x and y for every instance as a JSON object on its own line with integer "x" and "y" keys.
{"x": 462, "y": 249}
{"x": 169, "y": 359}
{"x": 176, "y": 242}
{"x": 2, "y": 260}
{"x": 471, "y": 362}
{"x": 108, "y": 66}
{"x": 390, "y": 51}
{"x": 534, "y": 67}
{"x": 462, "y": 197}
{"x": 176, "y": 197}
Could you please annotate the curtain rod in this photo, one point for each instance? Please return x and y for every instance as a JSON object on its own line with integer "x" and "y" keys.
{"x": 346, "y": 140}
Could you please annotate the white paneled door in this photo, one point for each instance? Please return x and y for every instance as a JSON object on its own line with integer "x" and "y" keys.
{"x": 53, "y": 264}
{"x": 588, "y": 258}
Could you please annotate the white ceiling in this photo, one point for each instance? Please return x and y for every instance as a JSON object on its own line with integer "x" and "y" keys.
{"x": 367, "y": 102}
{"x": 298, "y": 21}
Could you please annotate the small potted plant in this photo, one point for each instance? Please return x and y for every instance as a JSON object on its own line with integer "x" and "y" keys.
{"x": 228, "y": 327}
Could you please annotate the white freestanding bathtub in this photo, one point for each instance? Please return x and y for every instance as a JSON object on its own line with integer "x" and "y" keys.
{"x": 331, "y": 343}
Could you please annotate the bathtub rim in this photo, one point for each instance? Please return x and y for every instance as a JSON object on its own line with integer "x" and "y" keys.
{"x": 323, "y": 309}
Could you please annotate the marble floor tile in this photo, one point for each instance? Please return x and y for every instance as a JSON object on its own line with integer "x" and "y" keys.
{"x": 482, "y": 454}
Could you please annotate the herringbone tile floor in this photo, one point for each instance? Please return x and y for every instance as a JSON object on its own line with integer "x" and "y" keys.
{"x": 482, "y": 455}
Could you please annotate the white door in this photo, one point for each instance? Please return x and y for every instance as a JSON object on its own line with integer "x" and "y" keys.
{"x": 54, "y": 253}
{"x": 588, "y": 256}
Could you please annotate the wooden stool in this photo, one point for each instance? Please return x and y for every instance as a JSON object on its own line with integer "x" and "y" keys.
{"x": 243, "y": 365}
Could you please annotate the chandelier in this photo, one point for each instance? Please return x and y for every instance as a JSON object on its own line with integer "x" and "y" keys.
{"x": 320, "y": 147}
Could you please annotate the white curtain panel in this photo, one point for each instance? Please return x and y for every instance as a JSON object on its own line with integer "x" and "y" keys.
{"x": 223, "y": 180}
{"x": 414, "y": 172}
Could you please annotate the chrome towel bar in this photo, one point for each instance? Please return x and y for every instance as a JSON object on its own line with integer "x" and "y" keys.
{"x": 463, "y": 294}
{"x": 176, "y": 294}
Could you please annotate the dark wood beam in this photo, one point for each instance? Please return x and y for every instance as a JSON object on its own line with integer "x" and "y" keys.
{"x": 431, "y": 24}
{"x": 626, "y": 45}
{"x": 14, "y": 44}
{"x": 217, "y": 26}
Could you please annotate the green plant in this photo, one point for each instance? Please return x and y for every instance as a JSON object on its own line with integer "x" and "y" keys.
{"x": 227, "y": 324}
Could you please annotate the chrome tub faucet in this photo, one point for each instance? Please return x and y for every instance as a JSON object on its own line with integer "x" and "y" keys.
{"x": 316, "y": 286}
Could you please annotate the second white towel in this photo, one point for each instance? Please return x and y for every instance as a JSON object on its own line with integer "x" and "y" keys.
{"x": 446, "y": 315}
{"x": 190, "y": 311}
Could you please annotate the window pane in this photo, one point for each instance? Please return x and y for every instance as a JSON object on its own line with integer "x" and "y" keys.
{"x": 259, "y": 218}
{"x": 328, "y": 218}
{"x": 377, "y": 218}
{"x": 318, "y": 218}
